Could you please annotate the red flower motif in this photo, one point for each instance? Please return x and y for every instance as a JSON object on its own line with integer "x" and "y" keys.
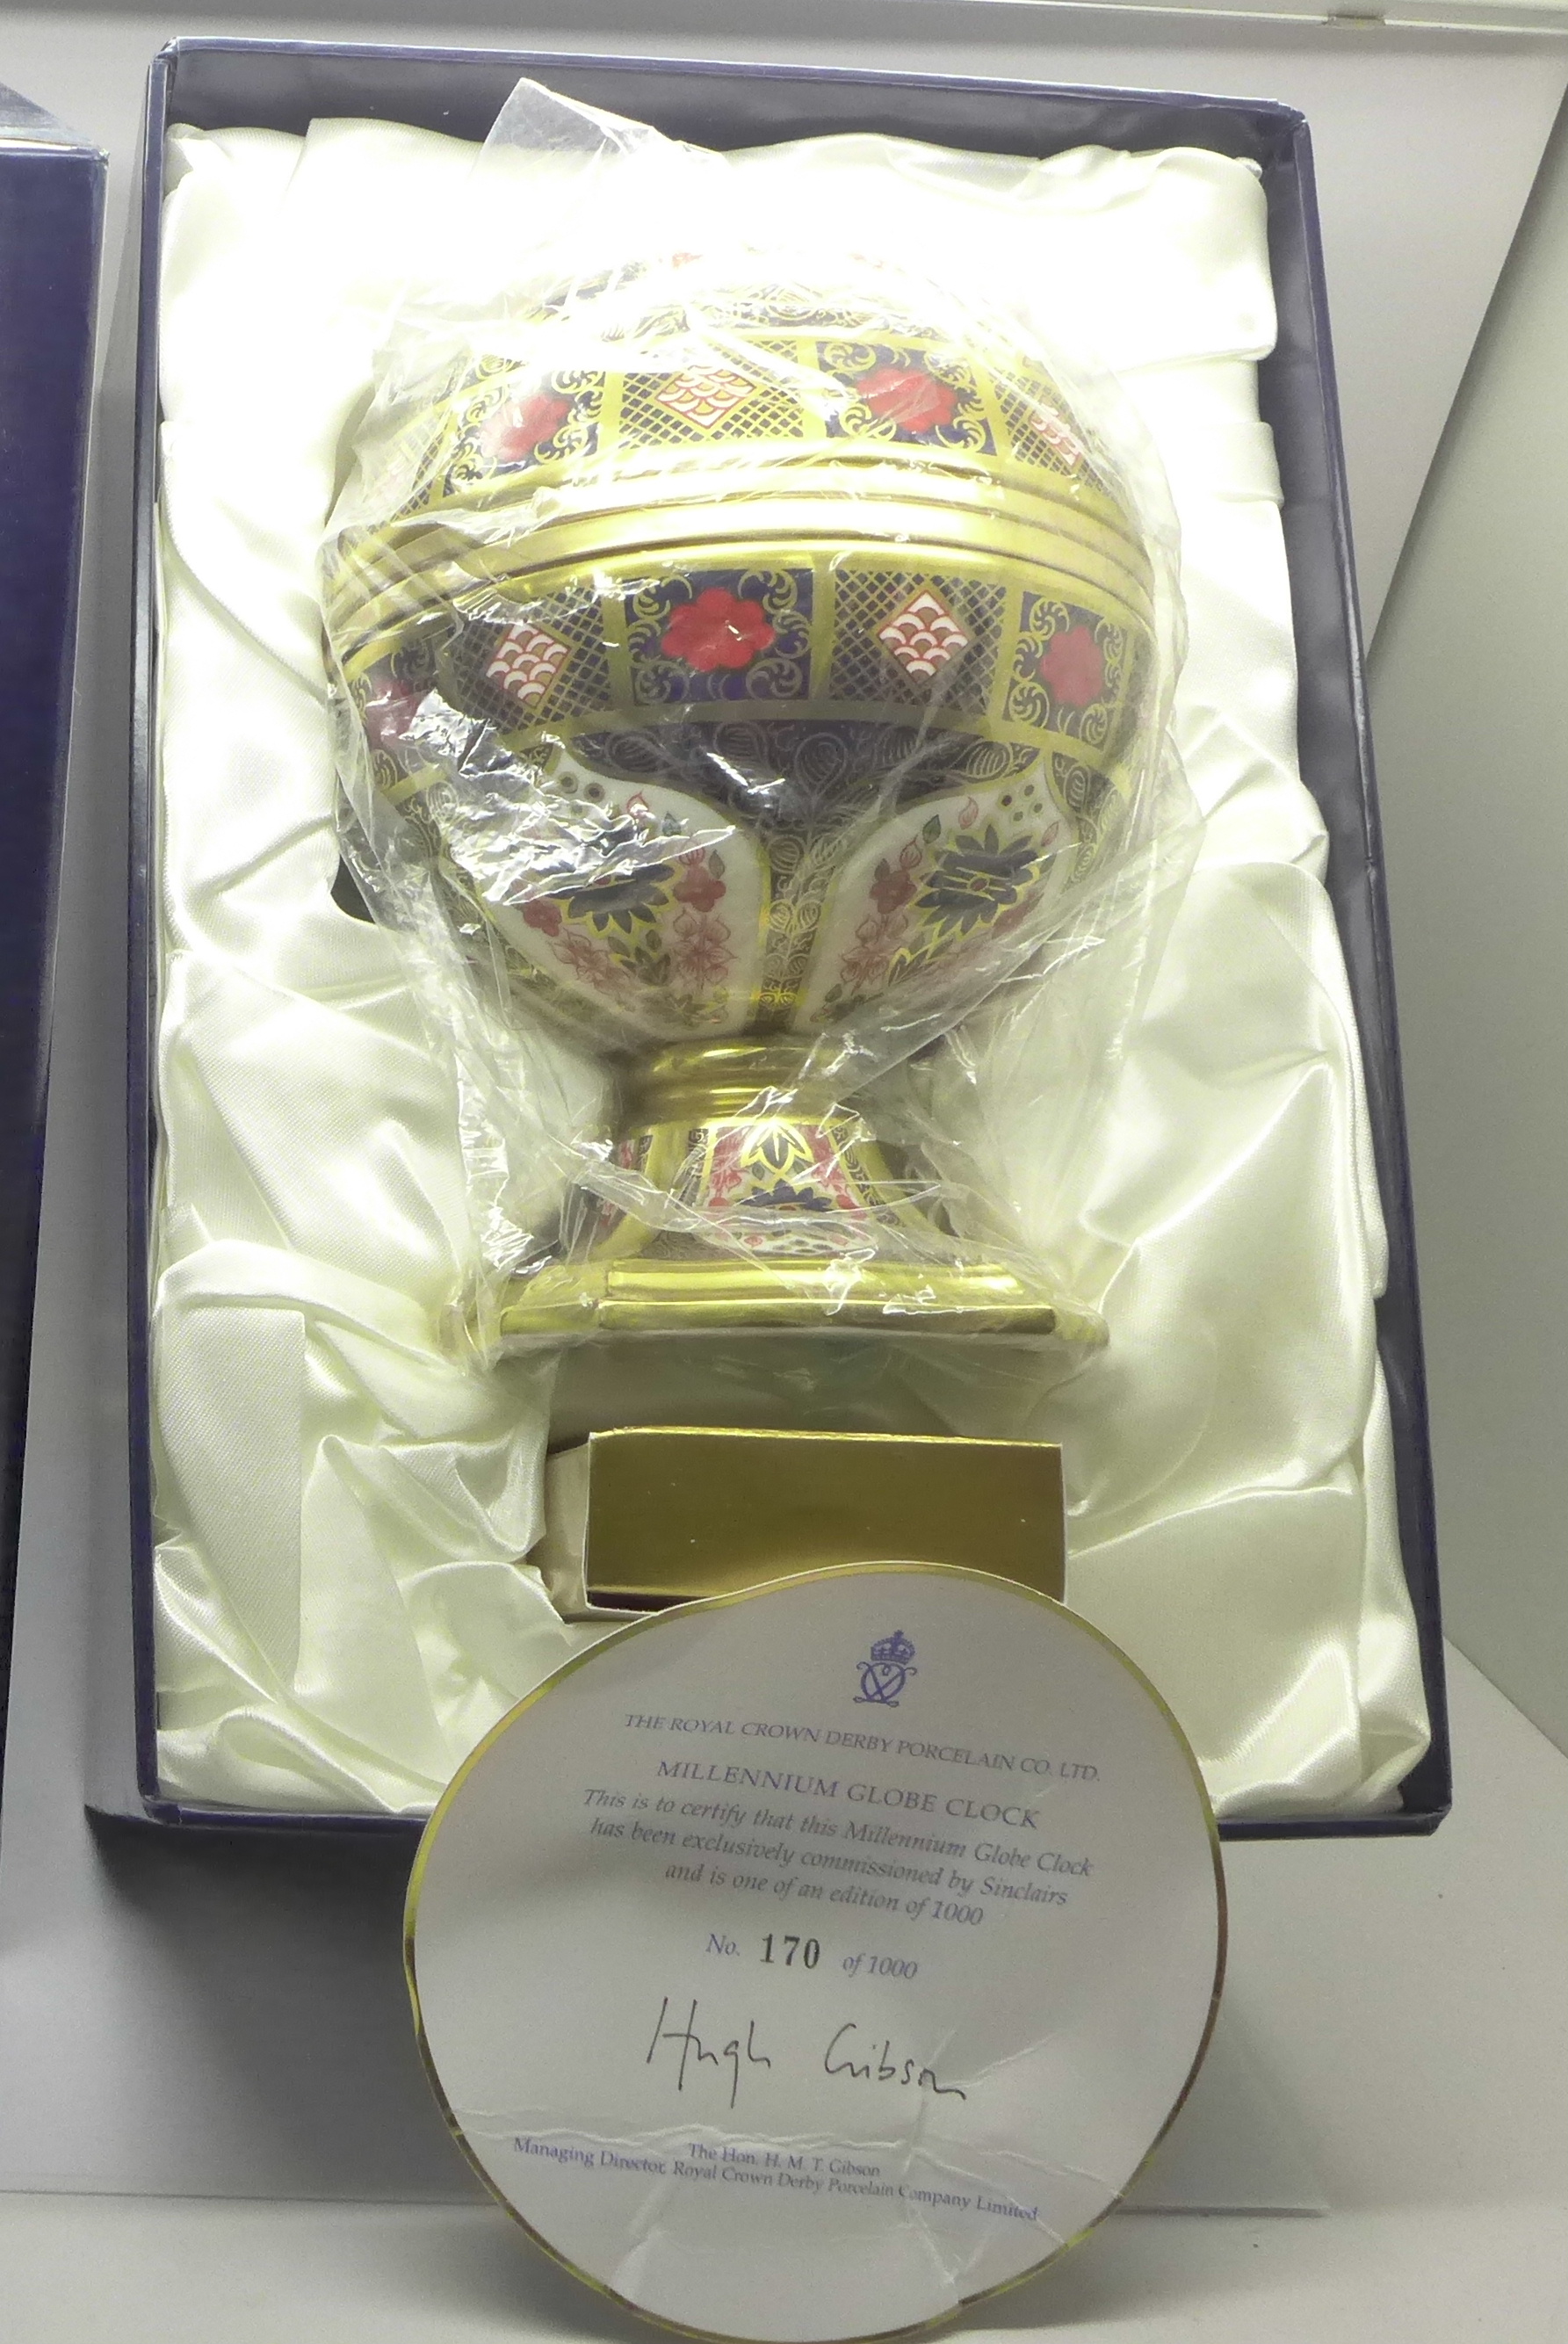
{"x": 1072, "y": 667}
{"x": 705, "y": 958}
{"x": 891, "y": 890}
{"x": 718, "y": 629}
{"x": 701, "y": 887}
{"x": 541, "y": 912}
{"x": 864, "y": 966}
{"x": 594, "y": 963}
{"x": 908, "y": 397}
{"x": 520, "y": 426}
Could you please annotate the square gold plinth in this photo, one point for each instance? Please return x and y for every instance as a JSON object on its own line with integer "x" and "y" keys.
{"x": 649, "y": 1516}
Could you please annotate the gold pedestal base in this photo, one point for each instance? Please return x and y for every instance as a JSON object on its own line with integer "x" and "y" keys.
{"x": 783, "y": 1212}
{"x": 899, "y": 1297}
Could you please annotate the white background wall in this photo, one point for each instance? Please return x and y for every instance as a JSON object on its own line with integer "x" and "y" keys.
{"x": 1469, "y": 709}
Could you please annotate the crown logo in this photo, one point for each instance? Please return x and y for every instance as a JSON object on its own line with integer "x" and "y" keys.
{"x": 893, "y": 1651}
{"x": 884, "y": 1675}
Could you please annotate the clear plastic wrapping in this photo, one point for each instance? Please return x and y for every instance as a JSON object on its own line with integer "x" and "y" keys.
{"x": 753, "y": 670}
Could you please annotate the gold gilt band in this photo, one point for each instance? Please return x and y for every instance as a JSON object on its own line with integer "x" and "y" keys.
{"x": 952, "y": 644}
{"x": 380, "y": 579}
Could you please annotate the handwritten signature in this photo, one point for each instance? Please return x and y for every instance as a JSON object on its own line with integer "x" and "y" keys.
{"x": 692, "y": 2045}
{"x": 887, "y": 2069}
{"x": 852, "y": 2060}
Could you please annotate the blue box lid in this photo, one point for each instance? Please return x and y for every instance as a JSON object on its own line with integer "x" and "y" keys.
{"x": 51, "y": 219}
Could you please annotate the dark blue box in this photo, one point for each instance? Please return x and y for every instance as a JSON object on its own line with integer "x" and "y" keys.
{"x": 285, "y": 84}
{"x": 51, "y": 219}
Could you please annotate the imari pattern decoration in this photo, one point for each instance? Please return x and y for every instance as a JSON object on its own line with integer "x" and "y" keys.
{"x": 525, "y": 663}
{"x": 923, "y": 636}
{"x": 753, "y": 668}
{"x": 704, "y": 394}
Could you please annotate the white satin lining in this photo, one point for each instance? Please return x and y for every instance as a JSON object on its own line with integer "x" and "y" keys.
{"x": 340, "y": 1608}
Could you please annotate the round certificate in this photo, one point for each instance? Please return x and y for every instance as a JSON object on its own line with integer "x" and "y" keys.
{"x": 809, "y": 1963}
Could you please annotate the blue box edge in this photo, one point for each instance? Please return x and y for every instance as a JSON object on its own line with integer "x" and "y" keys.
{"x": 48, "y": 285}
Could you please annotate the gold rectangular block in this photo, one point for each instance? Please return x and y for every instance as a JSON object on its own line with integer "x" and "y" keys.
{"x": 648, "y": 1516}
